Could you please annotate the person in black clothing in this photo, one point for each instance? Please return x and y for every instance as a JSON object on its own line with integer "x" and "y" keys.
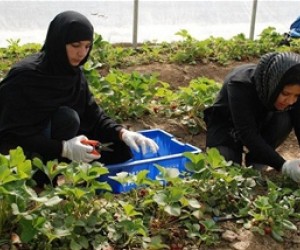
{"x": 46, "y": 106}
{"x": 255, "y": 111}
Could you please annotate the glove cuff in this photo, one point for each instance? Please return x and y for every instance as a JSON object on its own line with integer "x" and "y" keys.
{"x": 64, "y": 149}
{"x": 122, "y": 132}
{"x": 284, "y": 168}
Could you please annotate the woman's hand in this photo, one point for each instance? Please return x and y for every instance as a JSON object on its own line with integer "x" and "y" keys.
{"x": 74, "y": 150}
{"x": 136, "y": 141}
{"x": 291, "y": 168}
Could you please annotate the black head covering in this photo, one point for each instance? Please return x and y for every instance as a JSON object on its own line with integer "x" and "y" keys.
{"x": 273, "y": 72}
{"x": 66, "y": 27}
{"x": 36, "y": 86}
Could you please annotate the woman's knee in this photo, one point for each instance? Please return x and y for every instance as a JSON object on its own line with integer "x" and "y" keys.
{"x": 65, "y": 123}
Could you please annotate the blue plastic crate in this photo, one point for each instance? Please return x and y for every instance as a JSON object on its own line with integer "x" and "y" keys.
{"x": 169, "y": 155}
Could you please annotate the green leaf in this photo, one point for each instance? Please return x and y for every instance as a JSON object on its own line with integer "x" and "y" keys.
{"x": 176, "y": 193}
{"x": 174, "y": 210}
{"x": 289, "y": 225}
{"x": 53, "y": 201}
{"x": 24, "y": 169}
{"x": 15, "y": 209}
{"x": 74, "y": 245}
{"x": 194, "y": 203}
{"x": 276, "y": 236}
{"x": 97, "y": 185}
{"x": 262, "y": 203}
{"x": 141, "y": 177}
{"x": 6, "y": 175}
{"x": 60, "y": 233}
{"x": 156, "y": 242}
{"x": 16, "y": 156}
{"x": 37, "y": 162}
{"x": 195, "y": 158}
{"x": 129, "y": 209}
{"x": 33, "y": 195}
{"x": 4, "y": 160}
{"x": 214, "y": 158}
{"x": 83, "y": 241}
{"x": 28, "y": 232}
{"x": 160, "y": 199}
{"x": 78, "y": 192}
{"x": 196, "y": 167}
{"x": 297, "y": 193}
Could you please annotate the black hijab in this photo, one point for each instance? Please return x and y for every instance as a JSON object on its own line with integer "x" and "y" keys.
{"x": 273, "y": 72}
{"x": 38, "y": 85}
{"x": 66, "y": 27}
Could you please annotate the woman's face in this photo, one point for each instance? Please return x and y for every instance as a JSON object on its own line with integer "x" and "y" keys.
{"x": 77, "y": 51}
{"x": 287, "y": 97}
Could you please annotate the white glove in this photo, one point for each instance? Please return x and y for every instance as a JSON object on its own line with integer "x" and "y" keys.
{"x": 136, "y": 140}
{"x": 291, "y": 168}
{"x": 74, "y": 150}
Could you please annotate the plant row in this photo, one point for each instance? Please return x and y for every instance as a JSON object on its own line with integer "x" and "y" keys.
{"x": 172, "y": 211}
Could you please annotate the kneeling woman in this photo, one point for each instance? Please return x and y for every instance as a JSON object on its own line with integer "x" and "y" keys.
{"x": 256, "y": 109}
{"x": 46, "y": 106}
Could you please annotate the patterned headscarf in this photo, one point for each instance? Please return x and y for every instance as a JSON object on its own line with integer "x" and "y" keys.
{"x": 273, "y": 72}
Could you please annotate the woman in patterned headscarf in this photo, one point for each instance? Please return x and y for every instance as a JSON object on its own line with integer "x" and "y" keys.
{"x": 256, "y": 109}
{"x": 46, "y": 106}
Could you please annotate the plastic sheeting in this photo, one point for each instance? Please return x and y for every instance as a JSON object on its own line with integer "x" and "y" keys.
{"x": 157, "y": 20}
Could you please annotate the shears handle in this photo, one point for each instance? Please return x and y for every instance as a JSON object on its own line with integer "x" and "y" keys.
{"x": 92, "y": 143}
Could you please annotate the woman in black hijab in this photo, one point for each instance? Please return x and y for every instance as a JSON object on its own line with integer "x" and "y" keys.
{"x": 47, "y": 108}
{"x": 255, "y": 111}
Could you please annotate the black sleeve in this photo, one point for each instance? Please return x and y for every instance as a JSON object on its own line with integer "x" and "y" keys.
{"x": 295, "y": 112}
{"x": 96, "y": 124}
{"x": 243, "y": 104}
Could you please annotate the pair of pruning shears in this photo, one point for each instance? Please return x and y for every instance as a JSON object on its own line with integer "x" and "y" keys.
{"x": 98, "y": 146}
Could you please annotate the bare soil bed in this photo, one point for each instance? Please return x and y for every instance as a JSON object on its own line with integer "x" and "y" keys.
{"x": 180, "y": 75}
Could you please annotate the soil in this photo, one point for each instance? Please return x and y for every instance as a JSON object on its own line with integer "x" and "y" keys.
{"x": 180, "y": 75}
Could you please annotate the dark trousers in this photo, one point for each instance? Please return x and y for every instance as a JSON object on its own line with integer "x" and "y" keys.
{"x": 275, "y": 129}
{"x": 64, "y": 125}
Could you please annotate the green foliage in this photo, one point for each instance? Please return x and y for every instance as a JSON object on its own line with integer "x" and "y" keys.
{"x": 15, "y": 52}
{"x": 194, "y": 98}
{"x": 123, "y": 95}
{"x": 269, "y": 40}
{"x": 109, "y": 55}
{"x": 295, "y": 45}
{"x": 272, "y": 213}
{"x": 74, "y": 215}
{"x": 190, "y": 50}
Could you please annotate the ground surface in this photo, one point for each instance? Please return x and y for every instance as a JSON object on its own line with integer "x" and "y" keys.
{"x": 180, "y": 75}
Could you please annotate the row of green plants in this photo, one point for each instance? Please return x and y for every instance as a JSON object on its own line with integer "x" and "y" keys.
{"x": 174, "y": 211}
{"x": 190, "y": 50}
{"x": 185, "y": 50}
{"x": 132, "y": 95}
{"x": 129, "y": 96}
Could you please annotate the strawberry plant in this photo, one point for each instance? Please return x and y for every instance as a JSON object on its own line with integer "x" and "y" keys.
{"x": 176, "y": 210}
{"x": 272, "y": 213}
